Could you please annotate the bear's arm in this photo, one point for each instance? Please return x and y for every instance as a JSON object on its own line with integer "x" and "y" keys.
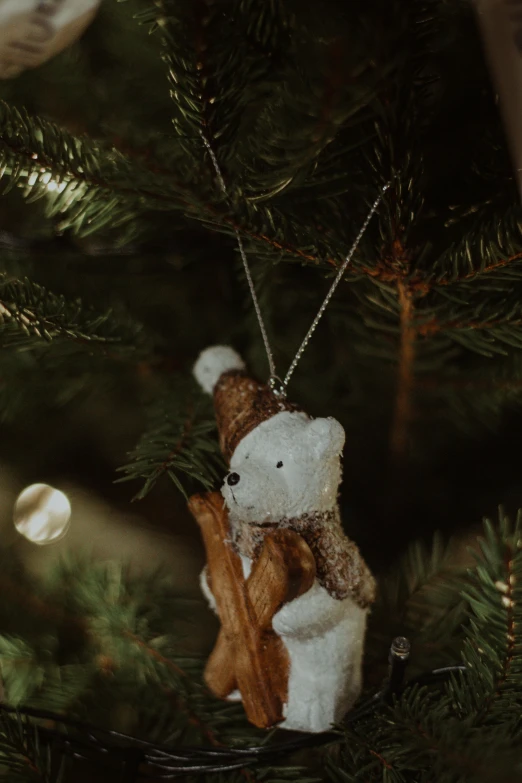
{"x": 313, "y": 613}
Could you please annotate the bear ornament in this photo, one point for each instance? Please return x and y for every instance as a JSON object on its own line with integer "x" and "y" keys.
{"x": 291, "y": 590}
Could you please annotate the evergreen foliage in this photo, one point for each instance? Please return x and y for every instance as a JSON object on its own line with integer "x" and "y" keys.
{"x": 177, "y": 440}
{"x": 119, "y": 262}
{"x": 95, "y": 630}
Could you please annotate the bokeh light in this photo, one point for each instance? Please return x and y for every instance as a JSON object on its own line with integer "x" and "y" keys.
{"x": 42, "y": 514}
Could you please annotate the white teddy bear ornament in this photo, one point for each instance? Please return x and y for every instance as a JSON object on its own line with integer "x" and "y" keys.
{"x": 282, "y": 533}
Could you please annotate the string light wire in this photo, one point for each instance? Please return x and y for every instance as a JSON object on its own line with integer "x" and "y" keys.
{"x": 138, "y": 759}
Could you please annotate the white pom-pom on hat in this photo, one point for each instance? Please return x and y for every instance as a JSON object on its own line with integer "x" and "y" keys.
{"x": 213, "y": 362}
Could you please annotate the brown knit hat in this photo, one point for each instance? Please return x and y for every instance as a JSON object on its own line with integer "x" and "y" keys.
{"x": 241, "y": 404}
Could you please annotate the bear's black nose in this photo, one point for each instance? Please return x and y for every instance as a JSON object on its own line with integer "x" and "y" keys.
{"x": 232, "y": 479}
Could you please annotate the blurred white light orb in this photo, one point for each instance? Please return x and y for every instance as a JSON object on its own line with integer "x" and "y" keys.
{"x": 42, "y": 514}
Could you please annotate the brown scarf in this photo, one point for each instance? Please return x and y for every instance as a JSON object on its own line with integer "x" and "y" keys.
{"x": 341, "y": 569}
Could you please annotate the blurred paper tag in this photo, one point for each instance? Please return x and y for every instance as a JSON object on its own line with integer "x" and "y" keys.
{"x": 33, "y": 31}
{"x": 501, "y": 25}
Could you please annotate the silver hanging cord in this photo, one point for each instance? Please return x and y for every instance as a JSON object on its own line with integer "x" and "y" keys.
{"x": 277, "y": 385}
{"x": 334, "y": 285}
{"x": 268, "y": 349}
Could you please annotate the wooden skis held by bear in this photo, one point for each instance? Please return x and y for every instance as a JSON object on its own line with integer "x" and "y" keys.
{"x": 249, "y": 656}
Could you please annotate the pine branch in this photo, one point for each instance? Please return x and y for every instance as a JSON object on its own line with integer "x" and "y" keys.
{"x": 87, "y": 185}
{"x": 487, "y": 326}
{"x": 423, "y": 282}
{"x": 90, "y": 187}
{"x": 50, "y": 377}
{"x": 126, "y": 651}
{"x": 31, "y": 315}
{"x": 465, "y": 729}
{"x": 480, "y": 395}
{"x": 428, "y": 742}
{"x": 367, "y": 756}
{"x": 505, "y": 331}
{"x": 56, "y": 346}
{"x": 118, "y": 640}
{"x": 214, "y": 87}
{"x": 493, "y": 686}
{"x": 176, "y": 442}
{"x": 20, "y": 671}
{"x": 491, "y": 240}
{"x": 514, "y": 272}
{"x": 461, "y": 733}
{"x": 421, "y": 599}
{"x": 450, "y": 733}
{"x": 22, "y": 754}
{"x": 186, "y": 46}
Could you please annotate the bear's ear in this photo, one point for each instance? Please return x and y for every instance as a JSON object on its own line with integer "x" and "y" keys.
{"x": 326, "y": 436}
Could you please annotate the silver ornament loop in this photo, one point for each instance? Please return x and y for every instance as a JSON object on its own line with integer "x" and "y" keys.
{"x": 277, "y": 385}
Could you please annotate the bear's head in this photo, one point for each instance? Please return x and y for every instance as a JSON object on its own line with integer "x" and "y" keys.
{"x": 288, "y": 466}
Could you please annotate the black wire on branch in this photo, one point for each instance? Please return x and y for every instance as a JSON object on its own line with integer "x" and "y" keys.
{"x": 138, "y": 759}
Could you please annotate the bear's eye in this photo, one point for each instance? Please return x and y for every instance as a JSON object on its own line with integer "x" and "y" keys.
{"x": 279, "y": 464}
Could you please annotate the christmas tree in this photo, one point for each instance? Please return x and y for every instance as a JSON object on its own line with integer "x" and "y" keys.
{"x": 134, "y": 165}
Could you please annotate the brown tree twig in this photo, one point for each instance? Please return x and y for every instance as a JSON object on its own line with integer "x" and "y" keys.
{"x": 403, "y": 402}
{"x": 477, "y": 272}
{"x": 383, "y": 761}
{"x": 433, "y": 326}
